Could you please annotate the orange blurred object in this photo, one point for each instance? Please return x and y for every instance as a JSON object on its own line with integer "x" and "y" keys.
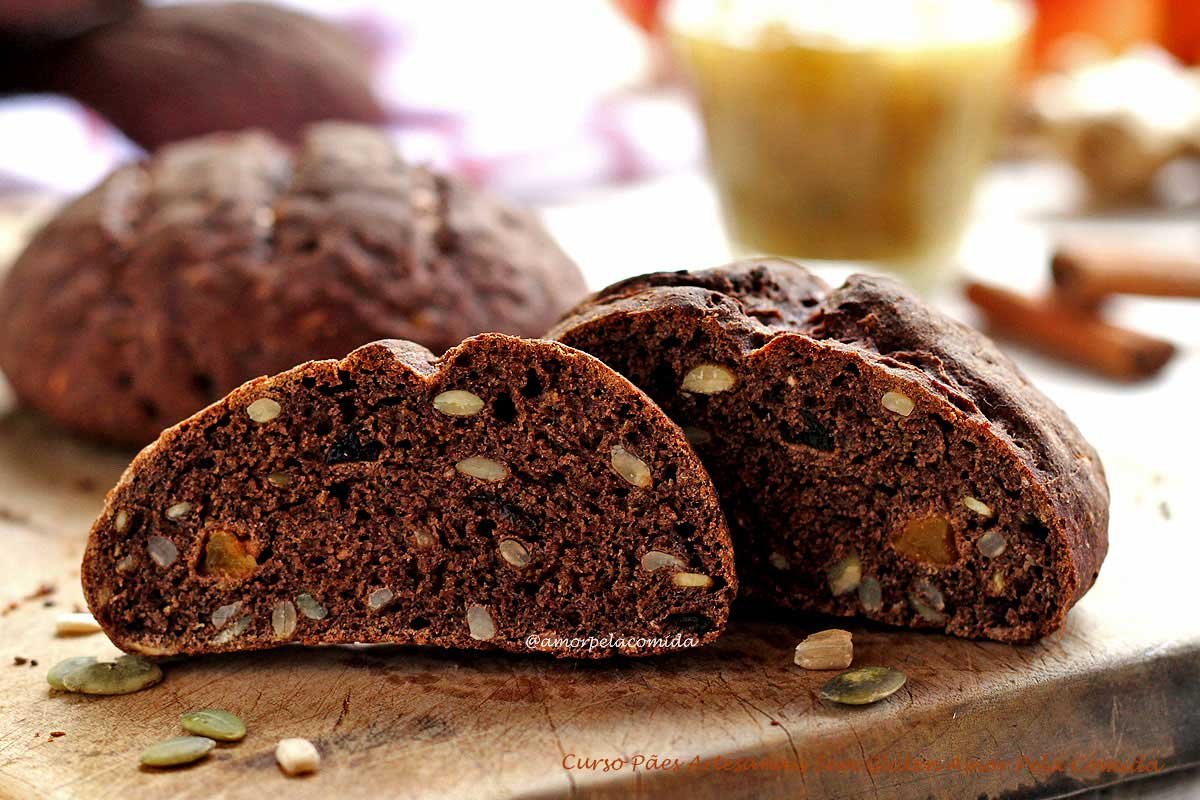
{"x": 646, "y": 14}
{"x": 1181, "y": 29}
{"x": 1114, "y": 25}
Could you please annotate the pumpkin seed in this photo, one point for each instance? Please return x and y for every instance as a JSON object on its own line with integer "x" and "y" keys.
{"x": 309, "y": 607}
{"x": 215, "y": 724}
{"x": 858, "y": 687}
{"x": 60, "y": 670}
{"x": 126, "y": 675}
{"x": 177, "y": 751}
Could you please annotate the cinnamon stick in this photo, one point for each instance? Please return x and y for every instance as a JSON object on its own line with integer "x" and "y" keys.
{"x": 1071, "y": 334}
{"x": 1085, "y": 275}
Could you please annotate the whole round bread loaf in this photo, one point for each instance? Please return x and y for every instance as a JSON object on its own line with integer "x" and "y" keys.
{"x": 227, "y": 257}
{"x": 512, "y": 494}
{"x": 873, "y": 456}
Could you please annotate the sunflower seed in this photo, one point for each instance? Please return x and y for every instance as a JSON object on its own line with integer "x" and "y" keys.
{"x": 458, "y": 403}
{"x": 992, "y": 544}
{"x": 214, "y": 723}
{"x": 283, "y": 619}
{"x": 708, "y": 379}
{"x": 630, "y": 467}
{"x": 654, "y": 560}
{"x": 831, "y": 649}
{"x": 845, "y": 575}
{"x": 162, "y": 550}
{"x": 178, "y": 751}
{"x": 978, "y": 506}
{"x": 264, "y": 409}
{"x": 60, "y": 670}
{"x": 480, "y": 624}
{"x": 225, "y": 613}
{"x": 514, "y": 553}
{"x": 233, "y": 631}
{"x": 898, "y": 403}
{"x": 691, "y": 580}
{"x": 75, "y": 625}
{"x": 179, "y": 511}
{"x": 309, "y": 607}
{"x": 380, "y": 598}
{"x": 870, "y": 594}
{"x": 858, "y": 687}
{"x": 122, "y": 521}
{"x": 297, "y": 756}
{"x": 485, "y": 469}
{"x": 127, "y": 674}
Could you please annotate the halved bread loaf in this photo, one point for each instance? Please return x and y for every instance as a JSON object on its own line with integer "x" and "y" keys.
{"x": 511, "y": 494}
{"x": 873, "y": 456}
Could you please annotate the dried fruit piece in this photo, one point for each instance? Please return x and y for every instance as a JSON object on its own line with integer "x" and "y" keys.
{"x": 309, "y": 607}
{"x": 214, "y": 723}
{"x": 264, "y": 409}
{"x": 162, "y": 550}
{"x": 127, "y": 674}
{"x": 862, "y": 686}
{"x": 75, "y": 624}
{"x": 829, "y": 649}
{"x": 458, "y": 403}
{"x": 654, "y": 560}
{"x": 691, "y": 580}
{"x": 179, "y": 511}
{"x": 630, "y": 467}
{"x": 514, "y": 553}
{"x": 929, "y": 540}
{"x": 297, "y": 756}
{"x": 60, "y": 670}
{"x": 870, "y": 594}
{"x": 380, "y": 598}
{"x": 991, "y": 544}
{"x": 978, "y": 506}
{"x": 708, "y": 379}
{"x": 479, "y": 622}
{"x": 226, "y": 557}
{"x": 485, "y": 469}
{"x": 283, "y": 619}
{"x": 898, "y": 403}
{"x": 177, "y": 751}
{"x": 845, "y": 575}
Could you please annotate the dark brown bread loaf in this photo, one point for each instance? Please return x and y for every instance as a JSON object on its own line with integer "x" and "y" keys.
{"x": 169, "y": 73}
{"x": 510, "y": 489}
{"x": 229, "y": 257}
{"x": 873, "y": 456}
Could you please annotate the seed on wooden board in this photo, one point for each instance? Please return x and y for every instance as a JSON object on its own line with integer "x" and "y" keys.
{"x": 126, "y": 675}
{"x": 56, "y": 674}
{"x": 862, "y": 686}
{"x": 75, "y": 624}
{"x": 177, "y": 751}
{"x": 297, "y": 756}
{"x": 830, "y": 649}
{"x": 215, "y": 723}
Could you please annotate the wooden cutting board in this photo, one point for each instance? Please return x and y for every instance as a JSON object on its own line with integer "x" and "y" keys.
{"x": 1118, "y": 690}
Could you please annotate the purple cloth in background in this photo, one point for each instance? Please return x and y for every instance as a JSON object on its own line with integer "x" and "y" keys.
{"x": 537, "y": 101}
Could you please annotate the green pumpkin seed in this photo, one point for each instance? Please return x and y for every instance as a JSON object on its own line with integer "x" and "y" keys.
{"x": 177, "y": 751}
{"x": 858, "y": 687}
{"x": 215, "y": 724}
{"x": 127, "y": 674}
{"x": 60, "y": 670}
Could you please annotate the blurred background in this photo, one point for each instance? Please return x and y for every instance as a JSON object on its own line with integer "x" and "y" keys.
{"x": 934, "y": 139}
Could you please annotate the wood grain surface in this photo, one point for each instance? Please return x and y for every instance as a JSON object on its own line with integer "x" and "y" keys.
{"x": 1118, "y": 687}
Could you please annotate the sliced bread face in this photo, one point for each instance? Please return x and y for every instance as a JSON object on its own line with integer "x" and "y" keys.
{"x": 512, "y": 494}
{"x": 873, "y": 457}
